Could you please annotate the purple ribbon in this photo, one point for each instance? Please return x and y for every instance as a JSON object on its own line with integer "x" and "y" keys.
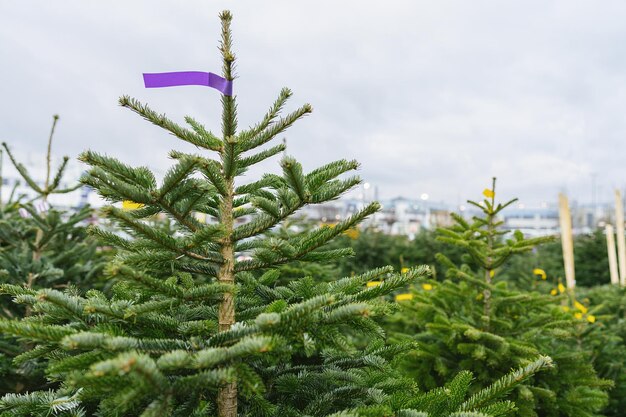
{"x": 171, "y": 79}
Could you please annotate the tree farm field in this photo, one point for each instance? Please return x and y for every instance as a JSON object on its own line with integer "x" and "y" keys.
{"x": 209, "y": 249}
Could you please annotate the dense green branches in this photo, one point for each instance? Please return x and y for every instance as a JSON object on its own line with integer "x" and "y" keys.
{"x": 474, "y": 320}
{"x": 41, "y": 246}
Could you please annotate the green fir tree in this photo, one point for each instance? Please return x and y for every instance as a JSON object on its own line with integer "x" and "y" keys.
{"x": 473, "y": 320}
{"x": 40, "y": 247}
{"x": 194, "y": 314}
{"x": 607, "y": 339}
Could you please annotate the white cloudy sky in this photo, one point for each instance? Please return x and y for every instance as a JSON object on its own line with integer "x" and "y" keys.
{"x": 430, "y": 96}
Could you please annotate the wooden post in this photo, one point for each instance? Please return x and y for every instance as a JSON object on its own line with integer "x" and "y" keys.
{"x": 610, "y": 246}
{"x": 621, "y": 243}
{"x": 567, "y": 242}
{"x": 1, "y": 179}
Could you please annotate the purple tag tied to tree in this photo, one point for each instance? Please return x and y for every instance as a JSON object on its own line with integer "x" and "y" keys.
{"x": 172, "y": 79}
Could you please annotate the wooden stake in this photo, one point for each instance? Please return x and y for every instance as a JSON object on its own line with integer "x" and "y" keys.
{"x": 1, "y": 180}
{"x": 621, "y": 243}
{"x": 567, "y": 242}
{"x": 610, "y": 246}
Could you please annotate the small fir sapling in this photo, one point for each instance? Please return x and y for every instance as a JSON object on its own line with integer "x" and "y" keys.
{"x": 472, "y": 320}
{"x": 40, "y": 247}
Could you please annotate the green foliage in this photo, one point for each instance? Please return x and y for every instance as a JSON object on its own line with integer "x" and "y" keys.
{"x": 41, "y": 404}
{"x": 48, "y": 250}
{"x": 590, "y": 256}
{"x": 454, "y": 399}
{"x": 607, "y": 339}
{"x": 322, "y": 271}
{"x": 374, "y": 249}
{"x": 160, "y": 337}
{"x": 471, "y": 321}
{"x": 40, "y": 249}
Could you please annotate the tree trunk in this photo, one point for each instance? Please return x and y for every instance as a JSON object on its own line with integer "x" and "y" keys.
{"x": 227, "y": 395}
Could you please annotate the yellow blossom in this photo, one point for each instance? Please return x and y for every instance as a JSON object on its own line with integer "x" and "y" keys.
{"x": 130, "y": 205}
{"x": 591, "y": 318}
{"x": 404, "y": 270}
{"x": 565, "y": 308}
{"x": 561, "y": 288}
{"x": 554, "y": 292}
{"x": 489, "y": 193}
{"x": 578, "y": 315}
{"x": 404, "y": 297}
{"x": 373, "y": 284}
{"x": 492, "y": 273}
{"x": 352, "y": 233}
{"x": 427, "y": 287}
{"x": 580, "y": 307}
{"x": 540, "y": 272}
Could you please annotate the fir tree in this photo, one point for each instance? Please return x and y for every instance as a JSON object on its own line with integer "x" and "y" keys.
{"x": 51, "y": 185}
{"x": 472, "y": 320}
{"x": 607, "y": 339}
{"x": 190, "y": 324}
{"x": 40, "y": 247}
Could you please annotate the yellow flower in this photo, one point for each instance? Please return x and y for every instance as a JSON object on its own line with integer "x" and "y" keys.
{"x": 540, "y": 272}
{"x": 561, "y": 288}
{"x": 578, "y": 315}
{"x": 130, "y": 205}
{"x": 554, "y": 292}
{"x": 492, "y": 273}
{"x": 489, "y": 193}
{"x": 591, "y": 318}
{"x": 404, "y": 270}
{"x": 404, "y": 297}
{"x": 580, "y": 307}
{"x": 565, "y": 308}
{"x": 352, "y": 233}
{"x": 373, "y": 284}
{"x": 427, "y": 287}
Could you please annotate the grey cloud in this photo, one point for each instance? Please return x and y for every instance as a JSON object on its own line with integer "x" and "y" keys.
{"x": 430, "y": 96}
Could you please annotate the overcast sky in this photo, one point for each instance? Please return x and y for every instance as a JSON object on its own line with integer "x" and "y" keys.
{"x": 430, "y": 96}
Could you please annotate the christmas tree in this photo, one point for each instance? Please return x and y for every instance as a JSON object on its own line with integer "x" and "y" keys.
{"x": 472, "y": 320}
{"x": 45, "y": 244}
{"x": 194, "y": 314}
{"x": 607, "y": 339}
{"x": 40, "y": 247}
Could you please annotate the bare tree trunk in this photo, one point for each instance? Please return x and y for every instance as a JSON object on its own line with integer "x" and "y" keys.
{"x": 227, "y": 395}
